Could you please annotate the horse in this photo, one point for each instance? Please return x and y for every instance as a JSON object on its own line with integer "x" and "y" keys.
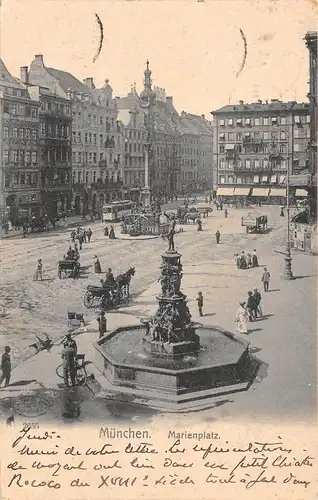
{"x": 123, "y": 280}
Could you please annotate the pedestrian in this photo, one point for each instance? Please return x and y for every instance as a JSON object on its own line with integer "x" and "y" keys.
{"x": 73, "y": 234}
{"x": 112, "y": 233}
{"x": 237, "y": 260}
{"x": 241, "y": 318}
{"x": 106, "y": 231}
{"x": 6, "y": 366}
{"x": 265, "y": 279}
{"x": 199, "y": 223}
{"x": 257, "y": 296}
{"x": 38, "y": 272}
{"x": 97, "y": 266}
{"x": 89, "y": 234}
{"x": 102, "y": 324}
{"x": 243, "y": 263}
{"x": 251, "y": 306}
{"x": 254, "y": 259}
{"x": 218, "y": 236}
{"x": 225, "y": 213}
{"x": 249, "y": 260}
{"x": 282, "y": 212}
{"x": 200, "y": 303}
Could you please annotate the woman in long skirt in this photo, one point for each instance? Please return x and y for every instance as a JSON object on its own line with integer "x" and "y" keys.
{"x": 97, "y": 266}
{"x": 241, "y": 318}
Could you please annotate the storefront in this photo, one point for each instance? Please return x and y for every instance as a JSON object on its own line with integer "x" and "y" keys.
{"x": 259, "y": 195}
{"x": 225, "y": 194}
{"x": 277, "y": 196}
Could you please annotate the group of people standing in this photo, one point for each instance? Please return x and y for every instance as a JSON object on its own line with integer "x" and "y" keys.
{"x": 249, "y": 310}
{"x": 81, "y": 236}
{"x": 246, "y": 260}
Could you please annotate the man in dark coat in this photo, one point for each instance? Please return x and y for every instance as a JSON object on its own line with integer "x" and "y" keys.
{"x": 218, "y": 236}
{"x": 6, "y": 366}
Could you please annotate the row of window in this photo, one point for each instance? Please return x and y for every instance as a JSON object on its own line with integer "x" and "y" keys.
{"x": 22, "y": 156}
{"x": 256, "y": 179}
{"x": 258, "y": 121}
{"x": 20, "y": 109}
{"x": 136, "y": 162}
{"x": 54, "y": 130}
{"x": 79, "y": 157}
{"x": 256, "y": 164}
{"x": 133, "y": 147}
{"x": 15, "y": 92}
{"x": 185, "y": 176}
{"x": 134, "y": 134}
{"x": 77, "y": 116}
{"x": 91, "y": 139}
{"x": 265, "y": 136}
{"x": 20, "y": 133}
{"x": 87, "y": 177}
{"x": 56, "y": 107}
{"x": 255, "y": 148}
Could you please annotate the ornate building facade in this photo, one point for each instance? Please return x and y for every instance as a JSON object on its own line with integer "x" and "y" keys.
{"x": 255, "y": 144}
{"x": 20, "y": 175}
{"x": 96, "y": 136}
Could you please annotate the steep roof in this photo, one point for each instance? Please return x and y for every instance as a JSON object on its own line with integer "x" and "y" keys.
{"x": 6, "y": 79}
{"x": 66, "y": 81}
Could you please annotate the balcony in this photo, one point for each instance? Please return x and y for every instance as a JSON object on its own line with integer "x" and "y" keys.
{"x": 56, "y": 187}
{"x": 297, "y": 180}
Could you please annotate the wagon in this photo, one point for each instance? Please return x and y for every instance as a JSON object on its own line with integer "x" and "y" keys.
{"x": 254, "y": 224}
{"x": 68, "y": 268}
{"x": 103, "y": 296}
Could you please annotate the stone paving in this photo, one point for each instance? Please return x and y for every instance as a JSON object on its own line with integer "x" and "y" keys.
{"x": 284, "y": 340}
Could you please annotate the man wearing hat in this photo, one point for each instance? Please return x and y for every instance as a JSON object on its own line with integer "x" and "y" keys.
{"x": 69, "y": 356}
{"x": 102, "y": 324}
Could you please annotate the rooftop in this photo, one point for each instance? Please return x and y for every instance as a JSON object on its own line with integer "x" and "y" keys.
{"x": 66, "y": 81}
{"x": 262, "y": 106}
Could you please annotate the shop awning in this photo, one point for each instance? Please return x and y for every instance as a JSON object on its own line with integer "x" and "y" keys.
{"x": 241, "y": 191}
{"x": 230, "y": 147}
{"x": 278, "y": 192}
{"x": 224, "y": 191}
{"x": 260, "y": 191}
{"x": 301, "y": 192}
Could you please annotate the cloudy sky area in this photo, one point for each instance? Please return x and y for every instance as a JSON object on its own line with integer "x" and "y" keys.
{"x": 195, "y": 48}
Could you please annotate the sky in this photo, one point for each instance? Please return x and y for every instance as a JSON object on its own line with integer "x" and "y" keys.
{"x": 195, "y": 48}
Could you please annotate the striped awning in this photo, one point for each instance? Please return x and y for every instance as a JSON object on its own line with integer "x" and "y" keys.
{"x": 278, "y": 192}
{"x": 301, "y": 192}
{"x": 242, "y": 191}
{"x": 260, "y": 191}
{"x": 224, "y": 191}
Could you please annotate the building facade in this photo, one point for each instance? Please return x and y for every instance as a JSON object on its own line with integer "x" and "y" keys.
{"x": 196, "y": 153}
{"x": 20, "y": 176}
{"x": 255, "y": 144}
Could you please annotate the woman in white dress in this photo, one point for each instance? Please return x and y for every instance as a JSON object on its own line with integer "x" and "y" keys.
{"x": 241, "y": 318}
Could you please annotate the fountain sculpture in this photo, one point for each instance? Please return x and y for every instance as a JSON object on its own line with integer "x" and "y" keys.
{"x": 168, "y": 361}
{"x": 170, "y": 332}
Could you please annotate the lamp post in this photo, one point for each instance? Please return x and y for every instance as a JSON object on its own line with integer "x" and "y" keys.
{"x": 288, "y": 274}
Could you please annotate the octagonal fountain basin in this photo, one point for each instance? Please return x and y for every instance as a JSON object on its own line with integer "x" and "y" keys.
{"x": 223, "y": 364}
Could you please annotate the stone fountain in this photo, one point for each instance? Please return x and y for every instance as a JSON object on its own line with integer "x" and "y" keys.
{"x": 168, "y": 361}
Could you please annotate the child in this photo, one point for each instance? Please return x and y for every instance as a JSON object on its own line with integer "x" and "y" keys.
{"x": 200, "y": 303}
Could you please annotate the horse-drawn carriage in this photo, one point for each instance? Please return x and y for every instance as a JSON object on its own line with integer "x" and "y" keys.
{"x": 68, "y": 268}
{"x": 109, "y": 294}
{"x": 254, "y": 223}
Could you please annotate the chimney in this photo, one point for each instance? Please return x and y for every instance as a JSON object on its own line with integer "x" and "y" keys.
{"x": 89, "y": 82}
{"x": 260, "y": 102}
{"x": 169, "y": 103}
{"x": 203, "y": 117}
{"x": 24, "y": 77}
{"x": 38, "y": 58}
{"x": 241, "y": 103}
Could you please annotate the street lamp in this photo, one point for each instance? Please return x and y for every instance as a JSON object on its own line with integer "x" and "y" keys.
{"x": 288, "y": 274}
